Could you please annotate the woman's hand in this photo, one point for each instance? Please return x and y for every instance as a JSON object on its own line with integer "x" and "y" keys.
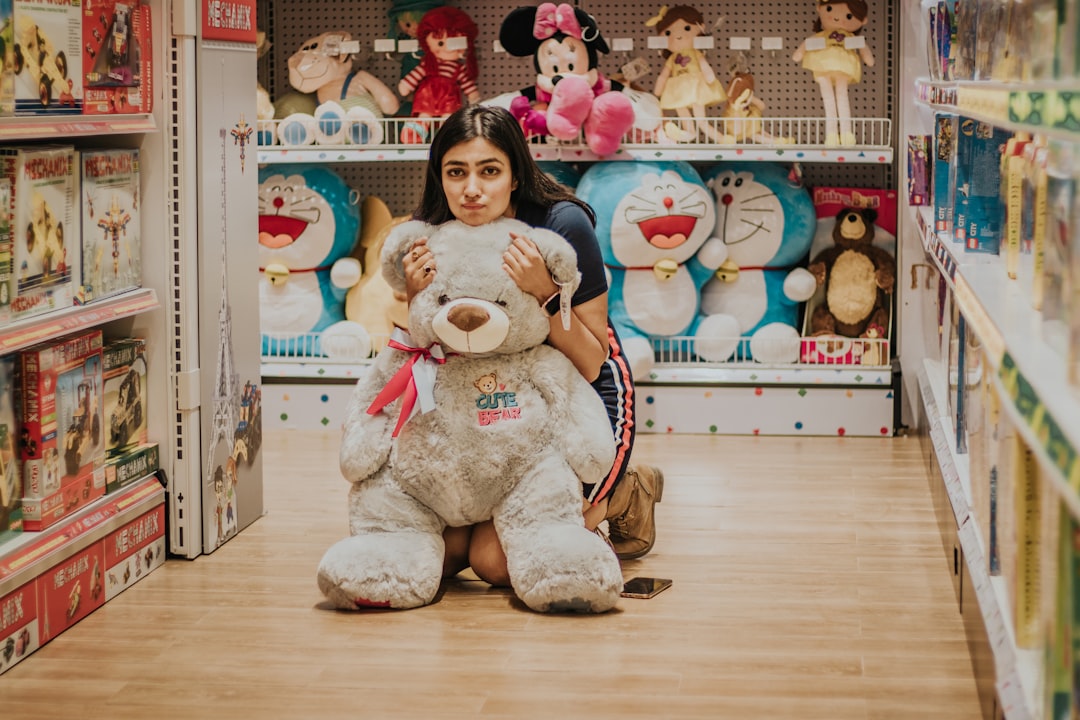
{"x": 419, "y": 267}
{"x": 525, "y": 265}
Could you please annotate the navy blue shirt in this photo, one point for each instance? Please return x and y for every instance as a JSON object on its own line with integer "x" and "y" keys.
{"x": 572, "y": 222}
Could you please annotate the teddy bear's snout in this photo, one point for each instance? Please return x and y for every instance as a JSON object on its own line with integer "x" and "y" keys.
{"x": 468, "y": 317}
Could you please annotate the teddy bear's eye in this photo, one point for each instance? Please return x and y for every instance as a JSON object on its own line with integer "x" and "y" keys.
{"x": 443, "y": 299}
{"x": 501, "y": 303}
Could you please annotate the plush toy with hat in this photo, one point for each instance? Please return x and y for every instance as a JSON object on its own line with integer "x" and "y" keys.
{"x": 307, "y": 230}
{"x": 766, "y": 220}
{"x": 571, "y": 96}
{"x": 351, "y": 101}
{"x": 472, "y": 416}
{"x": 654, "y": 222}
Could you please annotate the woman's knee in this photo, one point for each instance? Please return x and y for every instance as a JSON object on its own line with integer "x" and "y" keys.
{"x": 486, "y": 556}
{"x": 457, "y": 540}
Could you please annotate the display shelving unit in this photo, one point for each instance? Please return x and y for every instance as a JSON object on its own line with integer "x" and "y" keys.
{"x": 737, "y": 398}
{"x": 1025, "y": 371}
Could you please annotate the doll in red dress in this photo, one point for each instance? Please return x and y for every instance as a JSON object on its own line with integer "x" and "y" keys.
{"x": 446, "y": 71}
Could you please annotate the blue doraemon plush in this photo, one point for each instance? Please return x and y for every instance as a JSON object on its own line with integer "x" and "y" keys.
{"x": 654, "y": 222}
{"x": 767, "y": 224}
{"x": 307, "y": 229}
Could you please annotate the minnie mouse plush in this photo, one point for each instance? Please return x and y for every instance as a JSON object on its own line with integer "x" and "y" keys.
{"x": 570, "y": 94}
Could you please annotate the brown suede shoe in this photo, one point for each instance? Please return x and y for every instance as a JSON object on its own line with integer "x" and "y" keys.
{"x": 631, "y": 520}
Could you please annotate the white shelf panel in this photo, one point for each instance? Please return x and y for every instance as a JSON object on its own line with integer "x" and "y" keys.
{"x": 1028, "y": 371}
{"x": 1018, "y": 670}
{"x": 24, "y": 333}
{"x": 312, "y": 370}
{"x": 61, "y": 127}
{"x": 770, "y": 375}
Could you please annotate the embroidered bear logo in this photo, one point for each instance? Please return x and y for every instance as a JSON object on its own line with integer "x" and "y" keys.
{"x": 486, "y": 384}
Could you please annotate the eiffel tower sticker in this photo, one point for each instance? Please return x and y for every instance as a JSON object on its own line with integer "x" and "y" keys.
{"x": 221, "y": 476}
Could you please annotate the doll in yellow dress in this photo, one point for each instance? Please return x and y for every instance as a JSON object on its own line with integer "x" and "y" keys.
{"x": 687, "y": 83}
{"x": 831, "y": 54}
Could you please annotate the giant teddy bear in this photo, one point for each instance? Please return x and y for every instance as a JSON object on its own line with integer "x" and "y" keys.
{"x": 767, "y": 225}
{"x": 490, "y": 423}
{"x": 655, "y": 224}
{"x": 307, "y": 228}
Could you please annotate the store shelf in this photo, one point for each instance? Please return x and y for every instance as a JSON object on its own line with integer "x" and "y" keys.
{"x": 803, "y": 141}
{"x": 1029, "y": 373}
{"x": 24, "y": 333}
{"x": 50, "y": 580}
{"x": 1018, "y": 670}
{"x": 1046, "y": 108}
{"x": 311, "y": 369}
{"x": 58, "y": 127}
{"x": 757, "y": 375}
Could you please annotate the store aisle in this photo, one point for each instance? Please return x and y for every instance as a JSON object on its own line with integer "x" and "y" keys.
{"x": 810, "y": 582}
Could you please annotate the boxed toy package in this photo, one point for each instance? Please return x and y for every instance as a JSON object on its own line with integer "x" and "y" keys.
{"x": 48, "y": 57}
{"x": 963, "y": 50}
{"x": 111, "y": 223}
{"x": 1056, "y": 280}
{"x": 10, "y": 478}
{"x": 7, "y": 263}
{"x": 117, "y": 57}
{"x": 62, "y": 438}
{"x": 979, "y": 215}
{"x": 863, "y": 333}
{"x": 131, "y": 465}
{"x": 918, "y": 169}
{"x": 943, "y": 172}
{"x": 45, "y": 226}
{"x": 7, "y": 59}
{"x": 124, "y": 373}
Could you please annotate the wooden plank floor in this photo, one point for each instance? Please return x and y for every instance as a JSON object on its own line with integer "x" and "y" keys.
{"x": 810, "y": 582}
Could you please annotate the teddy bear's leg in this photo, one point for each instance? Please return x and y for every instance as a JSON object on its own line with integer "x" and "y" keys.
{"x": 611, "y": 118}
{"x": 394, "y": 557}
{"x": 822, "y": 321}
{"x": 555, "y": 564}
{"x": 570, "y": 104}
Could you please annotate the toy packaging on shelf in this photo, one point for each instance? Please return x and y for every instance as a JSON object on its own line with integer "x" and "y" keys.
{"x": 943, "y": 175}
{"x": 62, "y": 444}
{"x": 977, "y": 211}
{"x": 124, "y": 373}
{"x": 1056, "y": 282}
{"x": 7, "y": 61}
{"x": 111, "y": 236}
{"x": 45, "y": 224}
{"x": 1033, "y": 232}
{"x": 956, "y": 374}
{"x": 19, "y": 628}
{"x": 11, "y": 491}
{"x": 7, "y": 262}
{"x": 1013, "y": 171}
{"x": 872, "y": 346}
{"x": 48, "y": 57}
{"x": 918, "y": 169}
{"x": 133, "y": 464}
{"x": 117, "y": 57}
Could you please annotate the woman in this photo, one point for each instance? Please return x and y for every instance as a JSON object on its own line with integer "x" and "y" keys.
{"x": 480, "y": 169}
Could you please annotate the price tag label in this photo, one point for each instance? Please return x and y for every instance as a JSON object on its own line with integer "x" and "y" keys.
{"x": 854, "y": 42}
{"x": 815, "y": 43}
{"x": 384, "y": 45}
{"x": 408, "y": 46}
{"x": 657, "y": 42}
{"x": 772, "y": 43}
{"x": 622, "y": 44}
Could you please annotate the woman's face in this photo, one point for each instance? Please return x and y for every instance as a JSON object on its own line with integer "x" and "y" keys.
{"x": 477, "y": 182}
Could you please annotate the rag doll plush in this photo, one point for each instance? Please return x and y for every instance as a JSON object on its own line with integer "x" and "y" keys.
{"x": 767, "y": 225}
{"x": 570, "y": 95}
{"x": 447, "y": 69}
{"x": 655, "y": 223}
{"x": 686, "y": 83}
{"x": 405, "y": 16}
{"x": 836, "y": 54}
{"x": 351, "y": 102}
{"x": 307, "y": 230}
{"x": 472, "y": 416}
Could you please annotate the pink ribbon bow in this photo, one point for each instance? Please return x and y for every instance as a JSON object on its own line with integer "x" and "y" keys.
{"x": 551, "y": 18}
{"x": 414, "y": 380}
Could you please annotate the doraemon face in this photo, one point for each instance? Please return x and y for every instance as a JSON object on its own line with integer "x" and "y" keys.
{"x": 296, "y": 223}
{"x": 749, "y": 218}
{"x": 558, "y": 57}
{"x": 664, "y": 217}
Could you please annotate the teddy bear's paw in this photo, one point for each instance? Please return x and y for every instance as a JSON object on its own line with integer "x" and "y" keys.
{"x": 578, "y": 572}
{"x": 397, "y": 569}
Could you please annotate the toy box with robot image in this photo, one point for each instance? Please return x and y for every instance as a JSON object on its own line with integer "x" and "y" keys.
{"x": 117, "y": 57}
{"x": 45, "y": 226}
{"x": 124, "y": 372}
{"x": 48, "y": 57}
{"x": 62, "y": 438}
{"x": 111, "y": 223}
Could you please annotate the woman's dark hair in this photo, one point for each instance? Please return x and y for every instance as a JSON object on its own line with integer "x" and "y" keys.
{"x": 498, "y": 127}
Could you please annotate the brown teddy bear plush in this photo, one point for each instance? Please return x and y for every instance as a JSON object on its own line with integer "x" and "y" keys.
{"x": 857, "y": 276}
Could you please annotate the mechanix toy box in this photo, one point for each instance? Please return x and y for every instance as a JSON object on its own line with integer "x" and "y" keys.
{"x": 117, "y": 57}
{"x": 48, "y": 57}
{"x": 111, "y": 237}
{"x": 124, "y": 371}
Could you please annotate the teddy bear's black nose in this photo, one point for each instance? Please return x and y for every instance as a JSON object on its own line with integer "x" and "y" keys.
{"x": 468, "y": 317}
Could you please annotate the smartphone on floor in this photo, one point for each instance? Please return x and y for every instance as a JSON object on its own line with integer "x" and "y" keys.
{"x": 644, "y": 587}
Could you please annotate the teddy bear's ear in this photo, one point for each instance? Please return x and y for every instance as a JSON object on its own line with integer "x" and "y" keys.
{"x": 516, "y": 32}
{"x": 870, "y": 214}
{"x": 398, "y": 242}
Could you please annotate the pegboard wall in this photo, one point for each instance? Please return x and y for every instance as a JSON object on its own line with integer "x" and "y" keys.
{"x": 787, "y": 89}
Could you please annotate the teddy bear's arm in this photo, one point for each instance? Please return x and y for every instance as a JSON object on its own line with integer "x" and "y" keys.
{"x": 822, "y": 263}
{"x": 885, "y": 265}
{"x": 366, "y": 439}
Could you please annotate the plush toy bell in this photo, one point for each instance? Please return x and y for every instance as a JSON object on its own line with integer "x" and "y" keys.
{"x": 307, "y": 230}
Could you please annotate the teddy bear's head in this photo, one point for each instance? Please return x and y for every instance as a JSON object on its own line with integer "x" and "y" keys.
{"x": 854, "y": 227}
{"x": 473, "y": 307}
